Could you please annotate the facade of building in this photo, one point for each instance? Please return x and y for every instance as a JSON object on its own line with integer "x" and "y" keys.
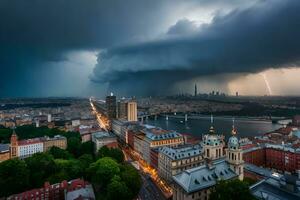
{"x": 278, "y": 157}
{"x": 127, "y": 110}
{"x": 121, "y": 127}
{"x": 4, "y": 152}
{"x": 234, "y": 155}
{"x": 196, "y": 183}
{"x": 57, "y": 141}
{"x": 102, "y": 138}
{"x": 27, "y": 148}
{"x": 172, "y": 161}
{"x": 122, "y": 109}
{"x": 132, "y": 111}
{"x": 75, "y": 189}
{"x": 111, "y": 106}
{"x": 153, "y": 137}
{"x": 13, "y": 148}
{"x": 213, "y": 145}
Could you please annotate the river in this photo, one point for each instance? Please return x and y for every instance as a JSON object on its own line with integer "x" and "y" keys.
{"x": 222, "y": 125}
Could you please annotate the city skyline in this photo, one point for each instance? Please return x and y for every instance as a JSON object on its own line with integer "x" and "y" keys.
{"x": 102, "y": 46}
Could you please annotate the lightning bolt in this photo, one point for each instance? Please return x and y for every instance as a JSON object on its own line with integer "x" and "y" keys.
{"x": 267, "y": 83}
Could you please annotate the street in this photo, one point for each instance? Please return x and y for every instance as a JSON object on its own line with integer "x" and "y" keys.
{"x": 149, "y": 190}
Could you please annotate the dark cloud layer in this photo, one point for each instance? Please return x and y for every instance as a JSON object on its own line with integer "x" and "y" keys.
{"x": 35, "y": 32}
{"x": 37, "y": 35}
{"x": 247, "y": 40}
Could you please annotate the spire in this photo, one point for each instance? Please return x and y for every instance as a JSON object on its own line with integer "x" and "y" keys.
{"x": 211, "y": 130}
{"x": 233, "y": 131}
{"x": 14, "y": 130}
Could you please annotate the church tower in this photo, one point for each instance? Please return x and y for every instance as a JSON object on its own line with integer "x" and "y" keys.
{"x": 234, "y": 154}
{"x": 212, "y": 144}
{"x": 13, "y": 145}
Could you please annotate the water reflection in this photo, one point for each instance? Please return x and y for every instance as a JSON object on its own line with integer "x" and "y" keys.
{"x": 197, "y": 127}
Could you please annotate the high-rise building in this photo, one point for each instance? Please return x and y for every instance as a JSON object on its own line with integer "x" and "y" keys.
{"x": 111, "y": 105}
{"x": 122, "y": 109}
{"x": 49, "y": 118}
{"x": 127, "y": 110}
{"x": 132, "y": 111}
{"x": 196, "y": 92}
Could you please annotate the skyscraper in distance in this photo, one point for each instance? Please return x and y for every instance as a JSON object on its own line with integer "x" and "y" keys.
{"x": 111, "y": 105}
{"x": 196, "y": 92}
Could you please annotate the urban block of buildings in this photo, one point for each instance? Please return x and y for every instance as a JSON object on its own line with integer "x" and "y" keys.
{"x": 103, "y": 138}
{"x": 173, "y": 160}
{"x": 77, "y": 189}
{"x": 26, "y": 148}
{"x": 196, "y": 183}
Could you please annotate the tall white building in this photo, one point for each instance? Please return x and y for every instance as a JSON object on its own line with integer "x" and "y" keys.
{"x": 27, "y": 148}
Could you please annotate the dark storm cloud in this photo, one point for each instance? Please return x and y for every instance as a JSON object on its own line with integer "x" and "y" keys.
{"x": 246, "y": 40}
{"x": 35, "y": 32}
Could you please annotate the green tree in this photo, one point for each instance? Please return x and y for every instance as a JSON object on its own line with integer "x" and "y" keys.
{"x": 87, "y": 148}
{"x": 5, "y": 134}
{"x": 40, "y": 166}
{"x": 74, "y": 146}
{"x": 102, "y": 171}
{"x": 57, "y": 152}
{"x": 85, "y": 160}
{"x": 71, "y": 168}
{"x": 231, "y": 190}
{"x": 117, "y": 189}
{"x": 114, "y": 153}
{"x": 132, "y": 179}
{"x": 58, "y": 177}
{"x": 14, "y": 177}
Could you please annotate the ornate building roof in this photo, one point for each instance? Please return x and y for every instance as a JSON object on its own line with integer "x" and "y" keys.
{"x": 204, "y": 176}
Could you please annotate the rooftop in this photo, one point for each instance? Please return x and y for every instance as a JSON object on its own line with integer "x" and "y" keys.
{"x": 258, "y": 170}
{"x": 204, "y": 176}
{"x": 102, "y": 134}
{"x": 29, "y": 141}
{"x": 280, "y": 187}
{"x": 181, "y": 152}
{"x": 86, "y": 193}
{"x": 155, "y": 133}
{"x": 4, "y": 148}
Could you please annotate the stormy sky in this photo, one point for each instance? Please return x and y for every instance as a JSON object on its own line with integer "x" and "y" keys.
{"x": 141, "y": 47}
